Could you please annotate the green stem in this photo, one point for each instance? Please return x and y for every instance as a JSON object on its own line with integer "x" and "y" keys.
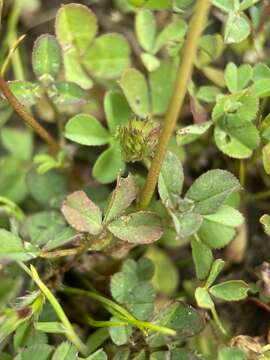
{"x": 11, "y": 39}
{"x": 196, "y": 26}
{"x": 70, "y": 333}
{"x": 121, "y": 312}
{"x": 10, "y": 55}
{"x": 101, "y": 299}
{"x": 242, "y": 172}
{"x": 27, "y": 117}
{"x": 95, "y": 323}
{"x": 217, "y": 321}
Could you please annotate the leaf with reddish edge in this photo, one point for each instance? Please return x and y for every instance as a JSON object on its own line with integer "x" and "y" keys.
{"x": 82, "y": 214}
{"x": 123, "y": 195}
{"x": 142, "y": 227}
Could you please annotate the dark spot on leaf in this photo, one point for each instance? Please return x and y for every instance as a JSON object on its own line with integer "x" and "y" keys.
{"x": 227, "y": 139}
{"x": 24, "y": 313}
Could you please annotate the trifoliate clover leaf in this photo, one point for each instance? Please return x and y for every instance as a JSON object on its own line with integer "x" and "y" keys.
{"x": 136, "y": 294}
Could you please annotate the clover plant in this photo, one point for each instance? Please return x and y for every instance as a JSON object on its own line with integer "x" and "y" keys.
{"x": 134, "y": 180}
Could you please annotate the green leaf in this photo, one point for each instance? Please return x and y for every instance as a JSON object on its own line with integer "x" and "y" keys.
{"x": 116, "y": 109}
{"x": 150, "y": 61}
{"x": 162, "y": 83}
{"x": 265, "y": 221}
{"x": 166, "y": 277}
{"x": 203, "y": 299}
{"x": 242, "y": 107}
{"x": 218, "y": 229}
{"x": 190, "y": 133}
{"x": 152, "y": 4}
{"x": 65, "y": 351}
{"x": 109, "y": 165}
{"x": 225, "y": 5}
{"x": 182, "y": 318}
{"x": 96, "y": 339}
{"x": 237, "y": 28}
{"x": 47, "y": 229}
{"x": 145, "y": 269}
{"x": 48, "y": 189}
{"x": 82, "y": 214}
{"x": 12, "y": 247}
{"x": 261, "y": 71}
{"x": 266, "y": 158}
{"x": 186, "y": 224}
{"x": 211, "y": 190}
{"x": 174, "y": 354}
{"x": 202, "y": 257}
{"x": 236, "y": 138}
{"x": 12, "y": 179}
{"x": 245, "y": 4}
{"x": 230, "y": 353}
{"x": 173, "y": 32}
{"x": 76, "y": 28}
{"x": 26, "y": 92}
{"x": 98, "y": 355}
{"x": 135, "y": 88}
{"x": 170, "y": 180}
{"x": 122, "y": 354}
{"x": 207, "y": 94}
{"x": 136, "y": 294}
{"x": 74, "y": 70}
{"x": 68, "y": 93}
{"x": 47, "y": 162}
{"x": 232, "y": 290}
{"x": 237, "y": 78}
{"x": 26, "y": 335}
{"x": 211, "y": 47}
{"x": 264, "y": 128}
{"x": 108, "y": 56}
{"x": 137, "y": 228}
{"x": 46, "y": 58}
{"x": 140, "y": 356}
{"x": 36, "y": 352}
{"x": 261, "y": 88}
{"x": 120, "y": 334}
{"x": 123, "y": 195}
{"x": 51, "y": 327}
{"x": 86, "y": 130}
{"x": 145, "y": 26}
{"x": 216, "y": 269}
{"x": 18, "y": 142}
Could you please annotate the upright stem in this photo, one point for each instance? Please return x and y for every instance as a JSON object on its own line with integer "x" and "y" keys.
{"x": 196, "y": 26}
{"x": 27, "y": 117}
